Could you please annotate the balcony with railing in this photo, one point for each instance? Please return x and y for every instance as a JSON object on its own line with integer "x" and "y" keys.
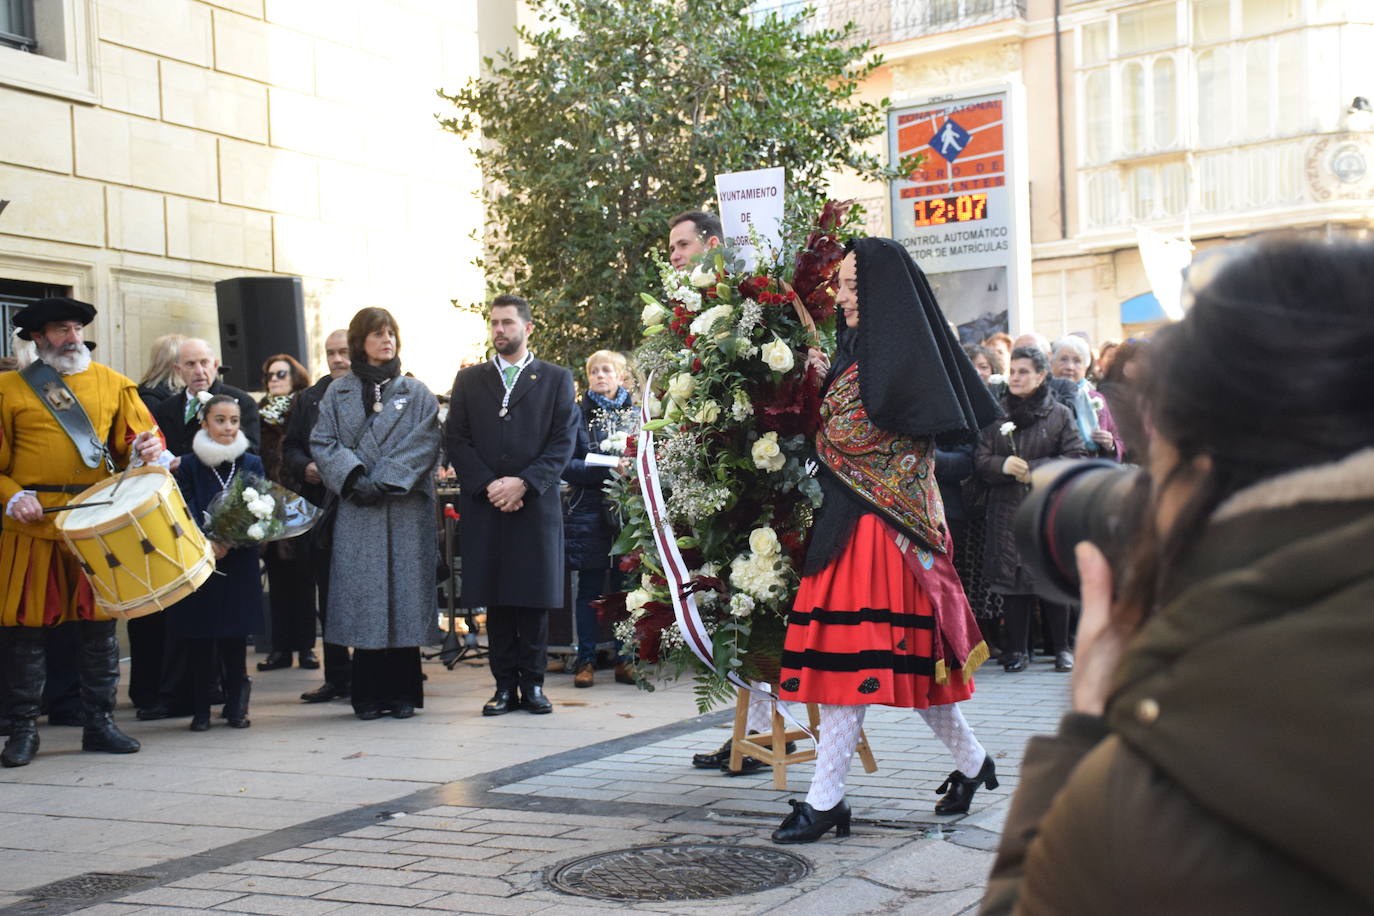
{"x": 881, "y": 22}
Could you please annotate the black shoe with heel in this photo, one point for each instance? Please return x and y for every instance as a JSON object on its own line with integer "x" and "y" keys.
{"x": 959, "y": 788}
{"x": 274, "y": 661}
{"x": 806, "y": 825}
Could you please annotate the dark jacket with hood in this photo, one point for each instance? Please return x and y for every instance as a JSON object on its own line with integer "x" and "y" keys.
{"x": 1230, "y": 772}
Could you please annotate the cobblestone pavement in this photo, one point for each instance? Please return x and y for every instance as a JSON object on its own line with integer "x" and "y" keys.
{"x": 449, "y": 812}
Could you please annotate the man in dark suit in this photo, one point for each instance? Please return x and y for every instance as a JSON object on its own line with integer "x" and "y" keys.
{"x": 298, "y": 466}
{"x": 198, "y": 367}
{"x": 511, "y": 428}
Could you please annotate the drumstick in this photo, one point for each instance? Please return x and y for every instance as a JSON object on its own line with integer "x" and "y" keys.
{"x": 108, "y": 502}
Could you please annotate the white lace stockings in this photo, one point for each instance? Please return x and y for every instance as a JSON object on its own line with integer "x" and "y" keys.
{"x": 953, "y": 730}
{"x": 839, "y": 736}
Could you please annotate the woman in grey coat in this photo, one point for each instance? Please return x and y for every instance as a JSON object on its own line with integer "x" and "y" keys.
{"x": 376, "y": 445}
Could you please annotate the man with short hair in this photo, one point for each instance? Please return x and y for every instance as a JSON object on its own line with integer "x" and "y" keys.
{"x": 691, "y": 234}
{"x": 198, "y": 367}
{"x": 66, "y": 423}
{"x": 302, "y": 475}
{"x": 511, "y": 426}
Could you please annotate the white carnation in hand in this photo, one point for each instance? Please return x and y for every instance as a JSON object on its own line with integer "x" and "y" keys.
{"x": 778, "y": 355}
{"x": 767, "y": 454}
{"x": 1007, "y": 428}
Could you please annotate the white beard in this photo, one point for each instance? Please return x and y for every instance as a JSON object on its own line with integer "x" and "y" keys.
{"x": 212, "y": 454}
{"x": 67, "y": 362}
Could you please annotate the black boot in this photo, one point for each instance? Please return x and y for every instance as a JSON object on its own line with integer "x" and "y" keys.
{"x": 24, "y": 658}
{"x": 236, "y": 708}
{"x": 806, "y": 825}
{"x": 99, "y": 681}
{"x": 960, "y": 788}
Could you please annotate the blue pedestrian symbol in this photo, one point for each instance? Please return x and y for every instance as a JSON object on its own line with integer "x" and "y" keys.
{"x": 949, "y": 141}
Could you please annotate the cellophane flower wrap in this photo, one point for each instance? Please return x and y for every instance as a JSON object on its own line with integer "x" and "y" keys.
{"x": 734, "y": 409}
{"x": 253, "y": 510}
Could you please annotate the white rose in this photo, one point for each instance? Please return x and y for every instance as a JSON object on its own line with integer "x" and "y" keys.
{"x": 702, "y": 277}
{"x": 708, "y": 412}
{"x": 257, "y": 530}
{"x": 655, "y": 406}
{"x": 767, "y": 454}
{"x": 764, "y": 542}
{"x": 681, "y": 386}
{"x": 653, "y": 315}
{"x": 778, "y": 355}
{"x": 635, "y": 601}
{"x": 707, "y": 319}
{"x": 249, "y": 494}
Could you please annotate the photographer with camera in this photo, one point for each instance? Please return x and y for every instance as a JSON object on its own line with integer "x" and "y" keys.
{"x": 1217, "y": 754}
{"x": 1038, "y": 429}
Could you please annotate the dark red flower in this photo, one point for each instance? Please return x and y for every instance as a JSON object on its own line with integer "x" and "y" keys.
{"x": 632, "y": 561}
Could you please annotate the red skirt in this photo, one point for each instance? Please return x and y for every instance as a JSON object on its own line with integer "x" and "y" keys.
{"x": 862, "y": 632}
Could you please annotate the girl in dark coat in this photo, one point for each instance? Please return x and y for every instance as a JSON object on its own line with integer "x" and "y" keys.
{"x": 607, "y": 417}
{"x": 223, "y": 611}
{"x": 1039, "y": 429}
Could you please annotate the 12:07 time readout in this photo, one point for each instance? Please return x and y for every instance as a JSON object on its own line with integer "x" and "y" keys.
{"x": 961, "y": 208}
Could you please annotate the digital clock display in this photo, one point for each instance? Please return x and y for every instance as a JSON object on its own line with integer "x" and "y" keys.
{"x": 962, "y": 208}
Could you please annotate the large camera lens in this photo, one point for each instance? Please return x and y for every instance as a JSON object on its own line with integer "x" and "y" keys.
{"x": 1070, "y": 501}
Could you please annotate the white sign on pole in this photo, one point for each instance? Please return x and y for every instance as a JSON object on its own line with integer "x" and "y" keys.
{"x": 751, "y": 204}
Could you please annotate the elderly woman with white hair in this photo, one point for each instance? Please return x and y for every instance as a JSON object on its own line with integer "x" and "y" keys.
{"x": 1070, "y": 359}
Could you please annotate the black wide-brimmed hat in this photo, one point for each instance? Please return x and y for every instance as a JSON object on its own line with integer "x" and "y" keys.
{"x": 57, "y": 308}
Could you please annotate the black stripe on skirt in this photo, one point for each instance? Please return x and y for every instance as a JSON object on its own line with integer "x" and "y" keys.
{"x": 862, "y": 615}
{"x": 884, "y": 659}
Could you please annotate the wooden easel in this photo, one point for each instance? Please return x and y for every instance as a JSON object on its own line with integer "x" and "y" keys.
{"x": 775, "y": 752}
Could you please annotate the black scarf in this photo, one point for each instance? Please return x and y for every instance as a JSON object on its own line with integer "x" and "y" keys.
{"x": 1025, "y": 412}
{"x": 914, "y": 379}
{"x": 374, "y": 377}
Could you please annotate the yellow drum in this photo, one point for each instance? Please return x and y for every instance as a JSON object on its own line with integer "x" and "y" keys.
{"x": 143, "y": 552}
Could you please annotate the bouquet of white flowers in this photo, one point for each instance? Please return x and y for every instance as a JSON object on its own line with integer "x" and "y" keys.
{"x": 252, "y": 511}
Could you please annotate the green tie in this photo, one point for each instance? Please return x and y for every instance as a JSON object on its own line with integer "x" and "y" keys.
{"x": 510, "y": 372}
{"x": 192, "y": 406}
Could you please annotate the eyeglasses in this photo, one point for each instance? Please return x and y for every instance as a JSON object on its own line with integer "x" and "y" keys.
{"x": 279, "y": 374}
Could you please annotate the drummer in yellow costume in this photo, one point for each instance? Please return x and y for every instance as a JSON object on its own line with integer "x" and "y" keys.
{"x": 42, "y": 465}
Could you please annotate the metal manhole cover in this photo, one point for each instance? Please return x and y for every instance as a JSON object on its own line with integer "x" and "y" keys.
{"x": 88, "y": 886}
{"x": 682, "y": 871}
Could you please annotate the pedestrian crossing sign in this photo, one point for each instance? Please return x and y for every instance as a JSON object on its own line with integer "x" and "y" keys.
{"x": 949, "y": 140}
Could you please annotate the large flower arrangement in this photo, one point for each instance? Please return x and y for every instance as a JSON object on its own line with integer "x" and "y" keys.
{"x": 733, "y": 406}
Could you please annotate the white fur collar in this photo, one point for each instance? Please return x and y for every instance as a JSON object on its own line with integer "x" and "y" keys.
{"x": 1351, "y": 478}
{"x": 212, "y": 454}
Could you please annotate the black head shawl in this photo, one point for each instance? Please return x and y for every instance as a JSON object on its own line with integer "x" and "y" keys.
{"x": 914, "y": 378}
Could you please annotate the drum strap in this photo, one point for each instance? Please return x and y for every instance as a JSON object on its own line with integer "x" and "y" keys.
{"x": 68, "y": 412}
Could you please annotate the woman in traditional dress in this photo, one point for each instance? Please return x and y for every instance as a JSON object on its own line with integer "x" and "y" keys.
{"x": 376, "y": 445}
{"x": 880, "y": 616}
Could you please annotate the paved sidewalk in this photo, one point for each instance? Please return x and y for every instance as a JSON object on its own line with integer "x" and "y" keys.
{"x": 311, "y": 811}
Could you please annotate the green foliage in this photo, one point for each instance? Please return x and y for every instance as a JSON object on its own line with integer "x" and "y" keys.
{"x": 619, "y": 116}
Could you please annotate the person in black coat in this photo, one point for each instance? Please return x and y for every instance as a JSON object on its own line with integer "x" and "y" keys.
{"x": 511, "y": 428}
{"x": 199, "y": 369}
{"x": 607, "y": 415}
{"x": 217, "y": 617}
{"x": 148, "y": 634}
{"x": 300, "y": 474}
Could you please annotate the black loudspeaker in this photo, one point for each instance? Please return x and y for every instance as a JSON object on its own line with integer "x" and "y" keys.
{"x": 259, "y": 317}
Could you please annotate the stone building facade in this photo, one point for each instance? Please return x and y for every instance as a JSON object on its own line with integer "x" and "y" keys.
{"x": 149, "y": 148}
{"x": 1200, "y": 119}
